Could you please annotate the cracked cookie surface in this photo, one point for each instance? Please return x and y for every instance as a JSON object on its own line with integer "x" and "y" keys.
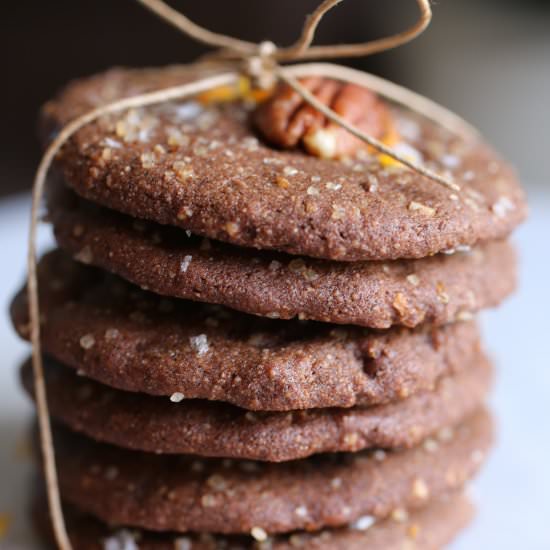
{"x": 134, "y": 340}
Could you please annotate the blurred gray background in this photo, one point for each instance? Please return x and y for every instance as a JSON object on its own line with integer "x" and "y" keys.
{"x": 490, "y": 61}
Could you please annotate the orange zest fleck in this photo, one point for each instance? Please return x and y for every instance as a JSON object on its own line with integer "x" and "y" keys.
{"x": 241, "y": 90}
{"x": 391, "y": 138}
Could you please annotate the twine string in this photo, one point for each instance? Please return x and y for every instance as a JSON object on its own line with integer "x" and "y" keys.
{"x": 45, "y": 431}
{"x": 235, "y": 57}
{"x": 303, "y": 50}
{"x": 205, "y": 36}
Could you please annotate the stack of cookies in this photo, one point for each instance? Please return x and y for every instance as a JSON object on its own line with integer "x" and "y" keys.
{"x": 258, "y": 332}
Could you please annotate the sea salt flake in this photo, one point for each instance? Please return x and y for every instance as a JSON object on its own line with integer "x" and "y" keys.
{"x": 188, "y": 110}
{"x": 185, "y": 213}
{"x": 87, "y": 341}
{"x": 258, "y": 533}
{"x": 363, "y": 523}
{"x": 186, "y": 262}
{"x": 147, "y": 159}
{"x": 502, "y": 207}
{"x": 373, "y": 184}
{"x": 301, "y": 512}
{"x": 176, "y": 397}
{"x": 270, "y": 160}
{"x": 182, "y": 543}
{"x": 199, "y": 344}
{"x": 379, "y": 455}
{"x": 112, "y": 143}
{"x": 311, "y": 190}
{"x": 419, "y": 207}
{"x": 121, "y": 540}
{"x": 450, "y": 161}
{"x": 289, "y": 171}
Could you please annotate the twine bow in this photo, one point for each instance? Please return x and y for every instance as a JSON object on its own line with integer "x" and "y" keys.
{"x": 233, "y": 58}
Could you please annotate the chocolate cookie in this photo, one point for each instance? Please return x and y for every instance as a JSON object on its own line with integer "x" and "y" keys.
{"x": 428, "y": 528}
{"x": 206, "y": 428}
{"x": 375, "y": 294}
{"x": 133, "y": 340}
{"x": 181, "y": 493}
{"x": 202, "y": 167}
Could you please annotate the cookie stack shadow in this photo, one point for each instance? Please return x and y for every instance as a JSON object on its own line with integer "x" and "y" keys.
{"x": 229, "y": 394}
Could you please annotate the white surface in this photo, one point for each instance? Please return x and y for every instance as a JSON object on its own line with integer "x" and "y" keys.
{"x": 512, "y": 493}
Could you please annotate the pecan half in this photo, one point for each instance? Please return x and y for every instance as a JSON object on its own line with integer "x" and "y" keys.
{"x": 286, "y": 120}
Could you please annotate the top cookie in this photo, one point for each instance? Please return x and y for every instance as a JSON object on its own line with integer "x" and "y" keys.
{"x": 203, "y": 167}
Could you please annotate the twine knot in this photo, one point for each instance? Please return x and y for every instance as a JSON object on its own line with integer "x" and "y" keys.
{"x": 261, "y": 66}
